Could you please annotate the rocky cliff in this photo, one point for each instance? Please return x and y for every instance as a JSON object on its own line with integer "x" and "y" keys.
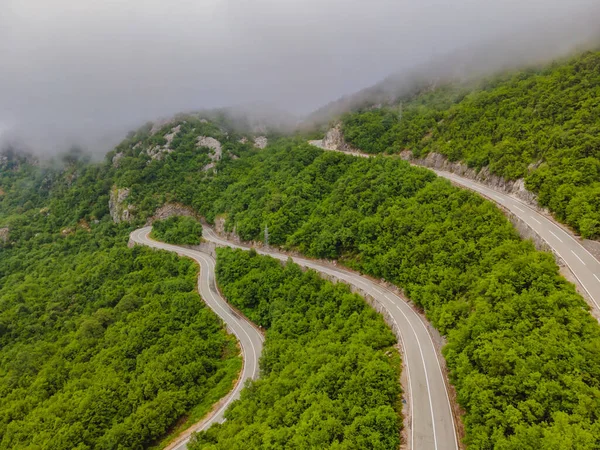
{"x": 119, "y": 210}
{"x": 440, "y": 162}
{"x": 334, "y": 140}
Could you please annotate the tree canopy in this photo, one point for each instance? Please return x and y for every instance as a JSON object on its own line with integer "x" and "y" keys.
{"x": 177, "y": 230}
{"x": 542, "y": 125}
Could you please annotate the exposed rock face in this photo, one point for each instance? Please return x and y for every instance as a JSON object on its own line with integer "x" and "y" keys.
{"x": 334, "y": 140}
{"x": 116, "y": 158}
{"x": 440, "y": 162}
{"x": 116, "y": 204}
{"x": 171, "y": 209}
{"x": 212, "y": 143}
{"x": 169, "y": 137}
{"x": 4, "y": 234}
{"x": 214, "y": 146}
{"x": 157, "y": 152}
{"x": 261, "y": 142}
{"x": 220, "y": 222}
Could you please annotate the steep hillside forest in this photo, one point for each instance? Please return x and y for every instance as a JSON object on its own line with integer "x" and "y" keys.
{"x": 542, "y": 125}
{"x": 101, "y": 346}
{"x": 522, "y": 349}
{"x": 329, "y": 370}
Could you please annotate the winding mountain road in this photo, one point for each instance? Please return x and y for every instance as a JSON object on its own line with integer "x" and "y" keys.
{"x": 582, "y": 264}
{"x": 431, "y": 421}
{"x": 251, "y": 341}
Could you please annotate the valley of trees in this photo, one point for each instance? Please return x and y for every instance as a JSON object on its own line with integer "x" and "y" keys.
{"x": 180, "y": 230}
{"x": 542, "y": 125}
{"x": 329, "y": 370}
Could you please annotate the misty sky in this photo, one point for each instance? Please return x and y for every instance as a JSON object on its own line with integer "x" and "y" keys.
{"x": 81, "y": 68}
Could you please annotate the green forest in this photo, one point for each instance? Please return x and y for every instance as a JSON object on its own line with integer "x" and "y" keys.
{"x": 329, "y": 370}
{"x": 181, "y": 230}
{"x": 540, "y": 124}
{"x": 522, "y": 347}
{"x": 84, "y": 318}
{"x": 101, "y": 346}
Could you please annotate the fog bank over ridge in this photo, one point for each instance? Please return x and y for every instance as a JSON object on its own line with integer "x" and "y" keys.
{"x": 86, "y": 72}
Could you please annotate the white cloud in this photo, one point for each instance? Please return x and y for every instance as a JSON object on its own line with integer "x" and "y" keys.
{"x": 75, "y": 68}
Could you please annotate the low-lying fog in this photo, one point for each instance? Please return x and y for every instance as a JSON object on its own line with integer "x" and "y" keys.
{"x": 82, "y": 71}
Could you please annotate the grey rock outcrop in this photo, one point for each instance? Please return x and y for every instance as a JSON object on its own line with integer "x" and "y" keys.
{"x": 116, "y": 158}
{"x": 172, "y": 209}
{"x": 261, "y": 142}
{"x": 157, "y": 152}
{"x": 119, "y": 211}
{"x": 214, "y": 146}
{"x": 483, "y": 176}
{"x": 334, "y": 140}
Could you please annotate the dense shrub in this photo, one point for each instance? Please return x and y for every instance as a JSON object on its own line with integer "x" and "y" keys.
{"x": 177, "y": 230}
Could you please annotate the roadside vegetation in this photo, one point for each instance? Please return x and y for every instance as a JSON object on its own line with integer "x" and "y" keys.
{"x": 329, "y": 371}
{"x": 523, "y": 350}
{"x": 542, "y": 125}
{"x": 180, "y": 230}
{"x": 101, "y": 346}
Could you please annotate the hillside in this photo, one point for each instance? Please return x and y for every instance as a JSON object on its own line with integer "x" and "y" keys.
{"x": 541, "y": 125}
{"x": 453, "y": 253}
{"x": 330, "y": 370}
{"x": 522, "y": 349}
{"x": 101, "y": 346}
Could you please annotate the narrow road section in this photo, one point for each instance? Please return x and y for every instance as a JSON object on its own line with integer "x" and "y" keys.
{"x": 431, "y": 420}
{"x": 251, "y": 341}
{"x": 582, "y": 264}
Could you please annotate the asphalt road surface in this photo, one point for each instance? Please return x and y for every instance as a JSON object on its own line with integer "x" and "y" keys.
{"x": 431, "y": 420}
{"x": 251, "y": 341}
{"x": 583, "y": 265}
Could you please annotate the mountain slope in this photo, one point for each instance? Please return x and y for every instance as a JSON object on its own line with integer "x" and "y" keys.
{"x": 517, "y": 332}
{"x": 540, "y": 125}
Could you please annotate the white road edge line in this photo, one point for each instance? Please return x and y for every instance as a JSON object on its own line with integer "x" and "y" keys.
{"x": 481, "y": 189}
{"x": 437, "y": 360}
{"x": 215, "y": 302}
{"x": 577, "y": 256}
{"x": 426, "y": 377}
{"x": 596, "y": 276}
{"x": 412, "y": 428}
